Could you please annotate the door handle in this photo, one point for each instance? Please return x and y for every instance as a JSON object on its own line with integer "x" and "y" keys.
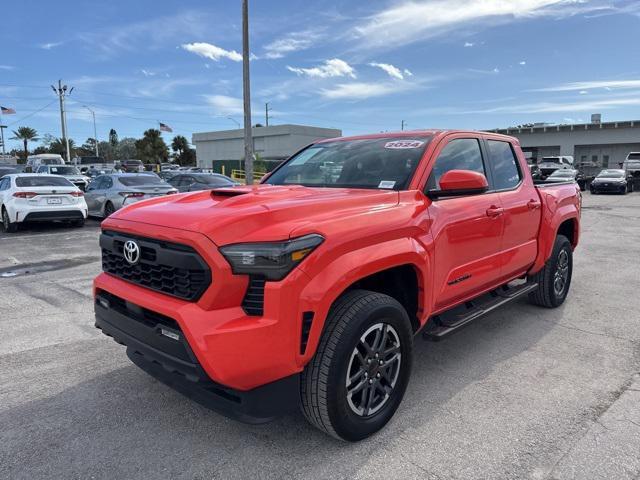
{"x": 533, "y": 204}
{"x": 494, "y": 211}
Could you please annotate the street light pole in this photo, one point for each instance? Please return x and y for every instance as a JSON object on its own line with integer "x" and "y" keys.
{"x": 61, "y": 91}
{"x": 248, "y": 141}
{"x": 95, "y": 134}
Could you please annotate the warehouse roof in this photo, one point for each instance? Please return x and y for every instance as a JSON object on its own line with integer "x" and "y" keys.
{"x": 567, "y": 127}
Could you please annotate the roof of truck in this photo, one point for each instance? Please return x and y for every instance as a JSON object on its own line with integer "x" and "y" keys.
{"x": 435, "y": 132}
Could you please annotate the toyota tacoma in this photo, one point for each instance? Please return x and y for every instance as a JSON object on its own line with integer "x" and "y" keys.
{"x": 308, "y": 289}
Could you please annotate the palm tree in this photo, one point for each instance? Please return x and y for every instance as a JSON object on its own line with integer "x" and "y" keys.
{"x": 26, "y": 134}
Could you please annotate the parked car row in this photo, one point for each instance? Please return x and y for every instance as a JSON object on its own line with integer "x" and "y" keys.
{"x": 56, "y": 193}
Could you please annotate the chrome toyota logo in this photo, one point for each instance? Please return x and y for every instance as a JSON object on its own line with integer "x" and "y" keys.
{"x": 131, "y": 252}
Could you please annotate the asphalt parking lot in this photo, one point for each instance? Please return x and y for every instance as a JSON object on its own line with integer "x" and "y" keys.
{"x": 523, "y": 393}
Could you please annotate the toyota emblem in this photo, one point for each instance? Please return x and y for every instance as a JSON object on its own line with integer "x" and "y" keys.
{"x": 131, "y": 252}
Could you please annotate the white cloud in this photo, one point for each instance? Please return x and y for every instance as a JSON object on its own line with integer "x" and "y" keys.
{"x": 577, "y": 86}
{"x": 207, "y": 50}
{"x": 147, "y": 73}
{"x": 523, "y": 62}
{"x": 583, "y": 92}
{"x": 225, "y": 105}
{"x": 293, "y": 42}
{"x": 413, "y": 20}
{"x": 362, "y": 90}
{"x": 408, "y": 72}
{"x": 330, "y": 68}
{"x": 49, "y": 45}
{"x": 7, "y": 67}
{"x": 469, "y": 44}
{"x": 391, "y": 70}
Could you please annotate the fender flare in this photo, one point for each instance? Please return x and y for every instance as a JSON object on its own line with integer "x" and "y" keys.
{"x": 333, "y": 280}
{"x": 549, "y": 227}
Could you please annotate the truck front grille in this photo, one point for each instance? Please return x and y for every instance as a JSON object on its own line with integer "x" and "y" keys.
{"x": 170, "y": 268}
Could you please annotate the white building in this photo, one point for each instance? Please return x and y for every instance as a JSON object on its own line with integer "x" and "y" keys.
{"x": 274, "y": 143}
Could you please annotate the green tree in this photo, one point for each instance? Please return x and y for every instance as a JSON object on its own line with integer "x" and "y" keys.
{"x": 185, "y": 155}
{"x": 113, "y": 138}
{"x": 26, "y": 134}
{"x": 151, "y": 147}
{"x": 126, "y": 148}
{"x": 87, "y": 149}
{"x": 58, "y": 146}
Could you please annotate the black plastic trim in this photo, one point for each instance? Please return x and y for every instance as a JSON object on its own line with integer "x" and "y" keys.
{"x": 53, "y": 215}
{"x": 255, "y": 406}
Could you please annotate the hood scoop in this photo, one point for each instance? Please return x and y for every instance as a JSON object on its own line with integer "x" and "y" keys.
{"x": 228, "y": 192}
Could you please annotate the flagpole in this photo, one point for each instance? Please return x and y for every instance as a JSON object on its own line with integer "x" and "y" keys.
{"x": 2, "y": 127}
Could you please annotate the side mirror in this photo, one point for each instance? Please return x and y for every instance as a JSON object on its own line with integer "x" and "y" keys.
{"x": 461, "y": 182}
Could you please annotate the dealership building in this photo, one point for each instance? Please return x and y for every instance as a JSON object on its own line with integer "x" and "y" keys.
{"x": 599, "y": 144}
{"x": 271, "y": 144}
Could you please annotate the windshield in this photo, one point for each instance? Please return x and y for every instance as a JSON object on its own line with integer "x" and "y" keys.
{"x": 42, "y": 181}
{"x": 132, "y": 162}
{"x": 64, "y": 170}
{"x": 387, "y": 162}
{"x": 50, "y": 161}
{"x": 633, "y": 156}
{"x": 611, "y": 174}
{"x": 141, "y": 180}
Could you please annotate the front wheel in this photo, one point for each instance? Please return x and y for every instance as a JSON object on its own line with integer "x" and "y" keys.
{"x": 357, "y": 378}
{"x": 554, "y": 279}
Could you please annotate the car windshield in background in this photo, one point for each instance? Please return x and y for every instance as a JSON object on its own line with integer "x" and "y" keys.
{"x": 634, "y": 156}
{"x": 42, "y": 181}
{"x": 562, "y": 173}
{"x": 64, "y": 170}
{"x": 611, "y": 174}
{"x": 141, "y": 180}
{"x": 213, "y": 180}
{"x": 387, "y": 163}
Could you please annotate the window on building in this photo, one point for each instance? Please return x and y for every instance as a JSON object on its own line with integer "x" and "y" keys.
{"x": 605, "y": 161}
{"x": 583, "y": 159}
{"x": 594, "y": 159}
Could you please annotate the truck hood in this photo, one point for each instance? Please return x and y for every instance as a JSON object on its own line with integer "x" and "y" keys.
{"x": 255, "y": 213}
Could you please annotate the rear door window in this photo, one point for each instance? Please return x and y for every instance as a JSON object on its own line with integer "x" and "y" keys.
{"x": 506, "y": 173}
{"x": 458, "y": 154}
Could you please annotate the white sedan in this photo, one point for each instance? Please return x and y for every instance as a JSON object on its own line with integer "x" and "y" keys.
{"x": 30, "y": 197}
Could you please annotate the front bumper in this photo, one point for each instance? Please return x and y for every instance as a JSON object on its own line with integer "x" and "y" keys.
{"x": 157, "y": 345}
{"x": 609, "y": 187}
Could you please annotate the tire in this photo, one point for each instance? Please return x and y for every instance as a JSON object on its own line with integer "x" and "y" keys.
{"x": 7, "y": 226}
{"x": 108, "y": 209}
{"x": 560, "y": 264}
{"x": 355, "y": 319}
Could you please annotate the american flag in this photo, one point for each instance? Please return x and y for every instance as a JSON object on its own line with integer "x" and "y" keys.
{"x": 165, "y": 128}
{"x": 7, "y": 111}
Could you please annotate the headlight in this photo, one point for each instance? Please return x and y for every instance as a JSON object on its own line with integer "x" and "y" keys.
{"x": 272, "y": 260}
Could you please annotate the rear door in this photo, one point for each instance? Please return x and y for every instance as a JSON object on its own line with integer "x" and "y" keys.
{"x": 522, "y": 207}
{"x": 466, "y": 230}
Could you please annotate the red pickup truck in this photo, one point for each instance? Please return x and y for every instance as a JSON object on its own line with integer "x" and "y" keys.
{"x": 308, "y": 289}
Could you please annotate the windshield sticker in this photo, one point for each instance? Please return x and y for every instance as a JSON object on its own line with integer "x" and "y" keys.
{"x": 387, "y": 184}
{"x": 400, "y": 144}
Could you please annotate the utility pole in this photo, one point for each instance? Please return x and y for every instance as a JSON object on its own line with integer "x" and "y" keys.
{"x": 61, "y": 91}
{"x": 266, "y": 114}
{"x": 248, "y": 141}
{"x": 95, "y": 134}
{"x": 402, "y": 125}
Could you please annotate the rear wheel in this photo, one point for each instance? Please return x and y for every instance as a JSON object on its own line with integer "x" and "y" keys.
{"x": 554, "y": 279}
{"x": 7, "y": 226}
{"x": 108, "y": 209}
{"x": 357, "y": 378}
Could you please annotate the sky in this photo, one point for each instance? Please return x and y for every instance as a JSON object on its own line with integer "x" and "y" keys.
{"x": 358, "y": 66}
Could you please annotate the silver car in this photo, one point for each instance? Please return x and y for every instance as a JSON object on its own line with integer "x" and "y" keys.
{"x": 69, "y": 172}
{"x": 108, "y": 193}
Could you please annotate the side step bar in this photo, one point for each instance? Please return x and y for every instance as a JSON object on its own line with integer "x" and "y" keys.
{"x": 449, "y": 322}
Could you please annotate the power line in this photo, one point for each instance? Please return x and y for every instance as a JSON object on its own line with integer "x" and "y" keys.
{"x": 31, "y": 114}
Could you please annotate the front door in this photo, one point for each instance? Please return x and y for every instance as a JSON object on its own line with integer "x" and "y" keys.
{"x": 466, "y": 230}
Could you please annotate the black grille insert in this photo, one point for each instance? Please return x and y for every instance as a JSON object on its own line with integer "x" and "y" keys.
{"x": 253, "y": 302}
{"x": 170, "y": 268}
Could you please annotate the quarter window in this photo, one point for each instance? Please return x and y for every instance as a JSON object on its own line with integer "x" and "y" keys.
{"x": 458, "y": 154}
{"x": 506, "y": 173}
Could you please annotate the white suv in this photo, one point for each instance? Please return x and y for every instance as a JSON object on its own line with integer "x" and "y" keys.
{"x": 28, "y": 197}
